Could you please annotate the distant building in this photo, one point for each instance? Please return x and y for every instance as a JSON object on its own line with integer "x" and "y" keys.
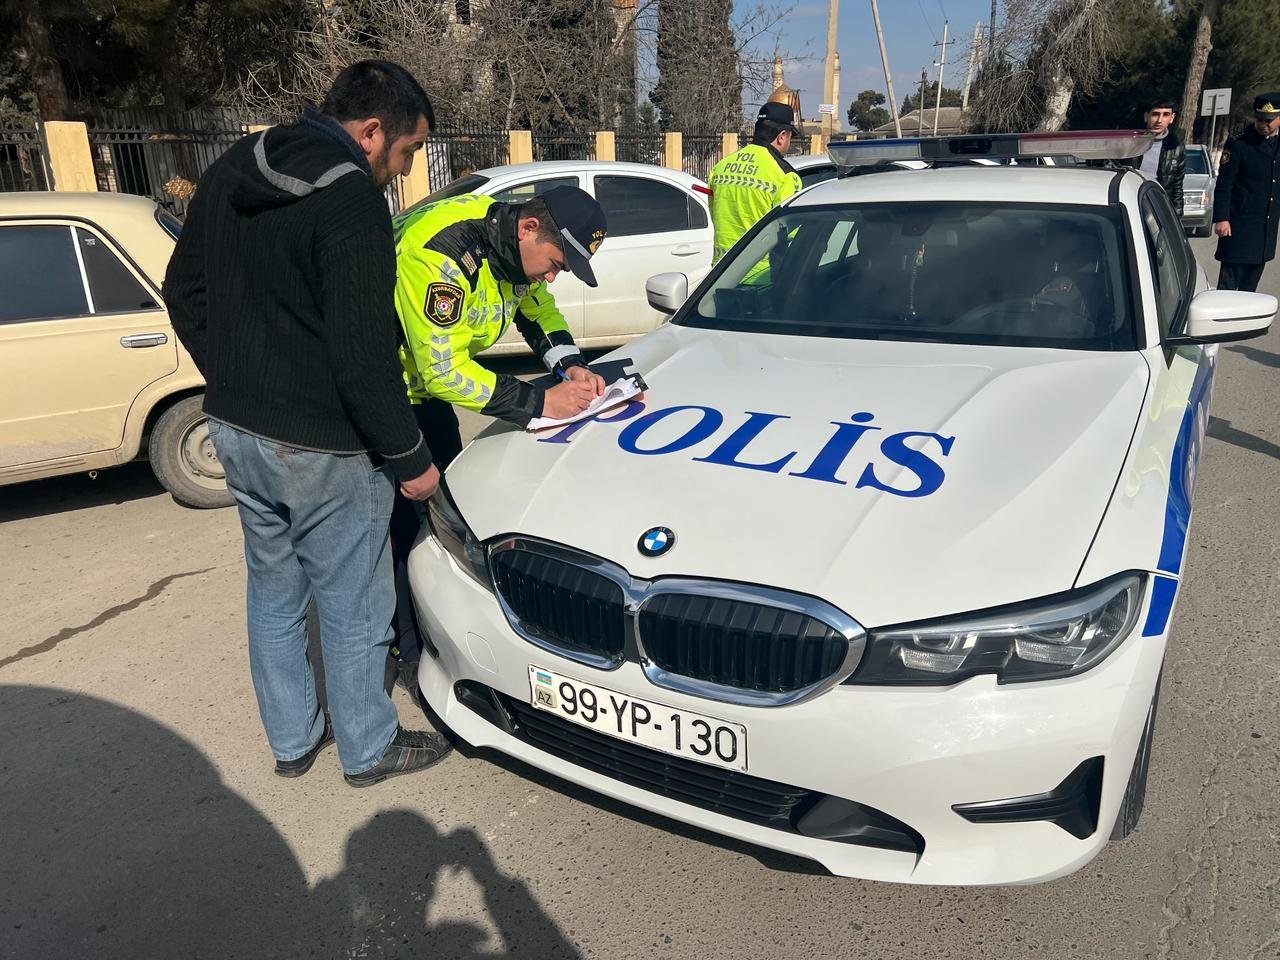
{"x": 950, "y": 120}
{"x": 781, "y": 92}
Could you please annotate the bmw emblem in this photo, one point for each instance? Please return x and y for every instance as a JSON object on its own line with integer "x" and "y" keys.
{"x": 656, "y": 541}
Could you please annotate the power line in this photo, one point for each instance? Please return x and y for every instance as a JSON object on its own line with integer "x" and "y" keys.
{"x": 927, "y": 25}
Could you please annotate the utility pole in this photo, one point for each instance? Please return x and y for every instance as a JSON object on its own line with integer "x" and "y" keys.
{"x": 829, "y": 69}
{"x": 942, "y": 67}
{"x": 991, "y": 35}
{"x": 975, "y": 53}
{"x": 888, "y": 78}
{"x": 924, "y": 87}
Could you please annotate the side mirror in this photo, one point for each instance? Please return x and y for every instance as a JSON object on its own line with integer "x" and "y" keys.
{"x": 1218, "y": 316}
{"x": 667, "y": 292}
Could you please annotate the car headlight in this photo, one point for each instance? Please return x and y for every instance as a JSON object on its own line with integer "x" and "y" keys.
{"x": 452, "y": 533}
{"x": 1194, "y": 198}
{"x": 1055, "y": 637}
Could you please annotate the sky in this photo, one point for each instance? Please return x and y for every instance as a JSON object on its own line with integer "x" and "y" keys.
{"x": 910, "y": 29}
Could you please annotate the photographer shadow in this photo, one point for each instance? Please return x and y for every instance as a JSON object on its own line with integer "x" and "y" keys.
{"x": 120, "y": 839}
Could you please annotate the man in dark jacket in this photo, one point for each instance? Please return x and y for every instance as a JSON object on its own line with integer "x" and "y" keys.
{"x": 1246, "y": 201}
{"x": 1166, "y": 159}
{"x": 281, "y": 287}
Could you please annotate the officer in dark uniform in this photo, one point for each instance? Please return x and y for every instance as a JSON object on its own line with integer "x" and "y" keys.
{"x": 1246, "y": 201}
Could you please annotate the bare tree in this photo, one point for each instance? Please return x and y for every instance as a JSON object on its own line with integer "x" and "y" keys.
{"x": 1200, "y": 48}
{"x": 546, "y": 65}
{"x": 1043, "y": 53}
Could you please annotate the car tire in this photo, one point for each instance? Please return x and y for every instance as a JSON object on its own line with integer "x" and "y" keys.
{"x": 1136, "y": 792}
{"x": 183, "y": 459}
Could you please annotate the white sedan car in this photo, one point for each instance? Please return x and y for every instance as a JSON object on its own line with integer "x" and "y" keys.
{"x": 880, "y": 570}
{"x": 658, "y": 221}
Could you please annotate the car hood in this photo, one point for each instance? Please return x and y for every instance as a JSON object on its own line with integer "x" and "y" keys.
{"x": 982, "y": 481}
{"x": 1195, "y": 181}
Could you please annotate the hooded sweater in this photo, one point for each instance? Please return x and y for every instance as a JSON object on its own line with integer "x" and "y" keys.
{"x": 281, "y": 287}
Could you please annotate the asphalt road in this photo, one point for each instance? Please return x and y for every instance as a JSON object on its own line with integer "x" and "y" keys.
{"x": 139, "y": 816}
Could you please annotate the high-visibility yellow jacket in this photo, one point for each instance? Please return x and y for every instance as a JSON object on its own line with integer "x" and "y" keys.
{"x": 744, "y": 187}
{"x": 459, "y": 285}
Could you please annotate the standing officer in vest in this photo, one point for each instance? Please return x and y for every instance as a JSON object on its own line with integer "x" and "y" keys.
{"x": 748, "y": 184}
{"x": 1246, "y": 201}
{"x": 466, "y": 269}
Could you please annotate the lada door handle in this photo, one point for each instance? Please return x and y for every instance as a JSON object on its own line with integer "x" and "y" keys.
{"x": 144, "y": 340}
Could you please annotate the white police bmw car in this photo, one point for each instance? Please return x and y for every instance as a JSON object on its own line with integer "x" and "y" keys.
{"x": 880, "y": 570}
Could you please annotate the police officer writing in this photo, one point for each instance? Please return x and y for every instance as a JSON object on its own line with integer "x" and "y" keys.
{"x": 748, "y": 184}
{"x": 467, "y": 268}
{"x": 1246, "y": 201}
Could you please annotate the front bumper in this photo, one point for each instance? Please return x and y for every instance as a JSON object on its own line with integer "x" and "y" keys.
{"x": 1197, "y": 218}
{"x": 911, "y": 753}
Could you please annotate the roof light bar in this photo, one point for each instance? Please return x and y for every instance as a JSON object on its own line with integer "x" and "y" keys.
{"x": 1082, "y": 144}
{"x": 856, "y": 153}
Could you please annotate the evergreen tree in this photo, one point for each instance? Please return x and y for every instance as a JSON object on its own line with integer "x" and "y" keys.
{"x": 699, "y": 87}
{"x": 867, "y": 111}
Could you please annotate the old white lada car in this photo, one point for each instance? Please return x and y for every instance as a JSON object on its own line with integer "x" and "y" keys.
{"x": 880, "y": 570}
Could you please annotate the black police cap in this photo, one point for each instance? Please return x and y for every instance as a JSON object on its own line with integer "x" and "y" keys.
{"x": 1266, "y": 106}
{"x": 580, "y": 222}
{"x": 780, "y": 113}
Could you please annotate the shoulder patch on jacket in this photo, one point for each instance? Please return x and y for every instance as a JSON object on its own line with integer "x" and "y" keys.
{"x": 444, "y": 304}
{"x": 462, "y": 242}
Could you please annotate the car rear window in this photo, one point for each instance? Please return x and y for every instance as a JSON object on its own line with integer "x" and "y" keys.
{"x": 817, "y": 174}
{"x": 994, "y": 273}
{"x": 468, "y": 184}
{"x": 168, "y": 222}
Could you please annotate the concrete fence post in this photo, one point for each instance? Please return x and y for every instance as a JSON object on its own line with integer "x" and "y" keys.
{"x": 70, "y": 159}
{"x": 416, "y": 184}
{"x": 728, "y": 144}
{"x": 519, "y": 146}
{"x": 606, "y": 145}
{"x": 817, "y": 144}
{"x": 673, "y": 151}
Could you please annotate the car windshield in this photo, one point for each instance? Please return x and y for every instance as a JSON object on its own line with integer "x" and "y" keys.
{"x": 1197, "y": 162}
{"x": 993, "y": 273}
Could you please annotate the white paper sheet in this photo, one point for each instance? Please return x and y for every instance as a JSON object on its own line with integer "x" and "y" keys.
{"x": 621, "y": 390}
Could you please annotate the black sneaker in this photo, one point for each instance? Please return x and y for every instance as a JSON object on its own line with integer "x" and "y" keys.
{"x": 296, "y": 768}
{"x": 408, "y": 751}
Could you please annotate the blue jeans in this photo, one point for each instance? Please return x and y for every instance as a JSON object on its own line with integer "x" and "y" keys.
{"x": 315, "y": 528}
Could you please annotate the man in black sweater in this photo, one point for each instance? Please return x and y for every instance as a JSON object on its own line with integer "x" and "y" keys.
{"x": 281, "y": 288}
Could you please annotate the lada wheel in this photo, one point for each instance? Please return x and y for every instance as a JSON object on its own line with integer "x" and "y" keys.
{"x": 183, "y": 458}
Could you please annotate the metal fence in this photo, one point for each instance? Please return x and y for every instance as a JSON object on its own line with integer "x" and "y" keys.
{"x": 22, "y": 165}
{"x": 454, "y": 153}
{"x": 639, "y": 147}
{"x": 579, "y": 146}
{"x": 701, "y": 152}
{"x": 157, "y": 156}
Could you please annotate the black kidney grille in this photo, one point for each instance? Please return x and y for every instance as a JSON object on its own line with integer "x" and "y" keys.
{"x": 563, "y": 603}
{"x": 738, "y": 644}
